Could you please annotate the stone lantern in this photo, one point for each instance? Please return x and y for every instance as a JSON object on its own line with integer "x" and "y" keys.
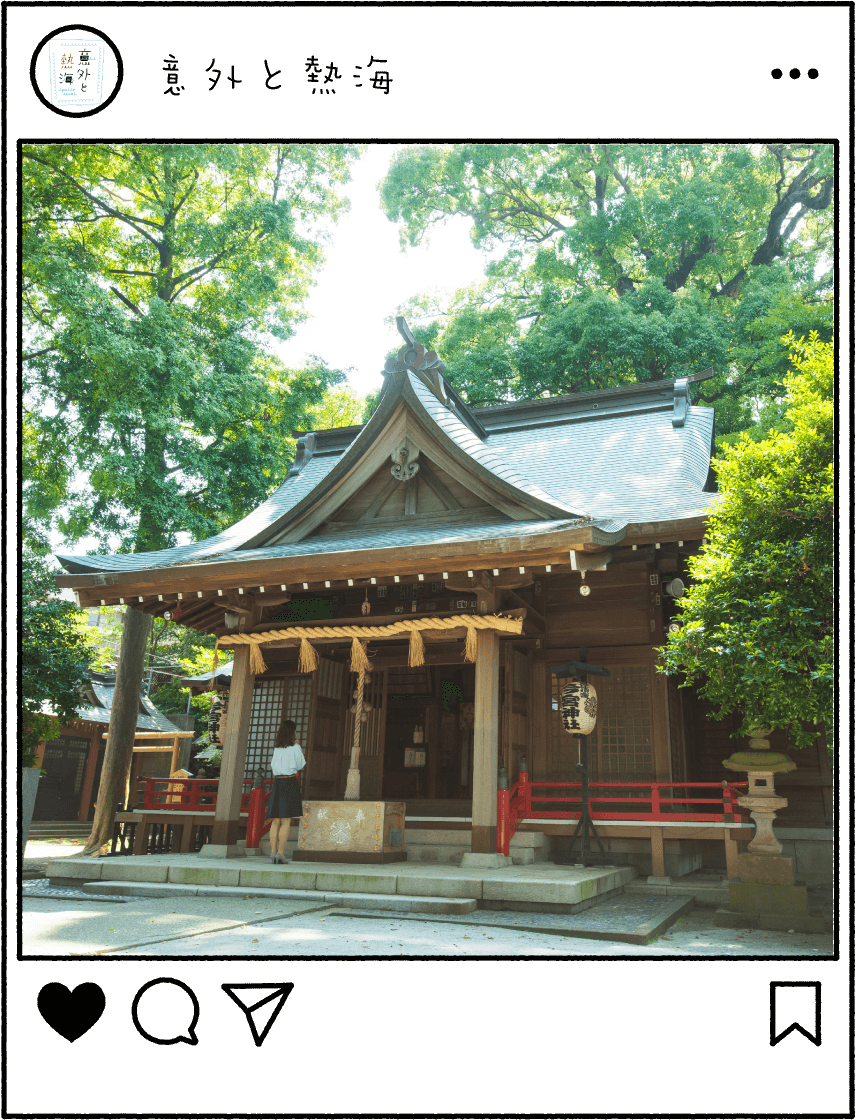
{"x": 765, "y": 895}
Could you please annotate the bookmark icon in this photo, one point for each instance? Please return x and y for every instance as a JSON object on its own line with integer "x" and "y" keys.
{"x": 794, "y": 1007}
{"x": 260, "y": 1012}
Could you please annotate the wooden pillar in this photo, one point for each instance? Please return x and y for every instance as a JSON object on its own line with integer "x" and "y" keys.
{"x": 486, "y": 742}
{"x": 538, "y": 760}
{"x": 224, "y": 834}
{"x": 658, "y": 859}
{"x": 176, "y": 748}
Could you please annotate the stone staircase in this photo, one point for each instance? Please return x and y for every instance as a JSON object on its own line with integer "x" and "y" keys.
{"x": 59, "y": 830}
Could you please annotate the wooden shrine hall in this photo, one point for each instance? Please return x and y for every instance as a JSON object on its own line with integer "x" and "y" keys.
{"x": 464, "y": 552}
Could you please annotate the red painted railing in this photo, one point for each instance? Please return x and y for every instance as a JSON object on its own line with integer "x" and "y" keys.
{"x": 199, "y": 795}
{"x": 192, "y": 795}
{"x": 518, "y": 803}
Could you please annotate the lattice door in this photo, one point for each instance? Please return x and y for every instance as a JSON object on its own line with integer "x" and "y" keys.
{"x": 265, "y": 718}
{"x": 621, "y": 745}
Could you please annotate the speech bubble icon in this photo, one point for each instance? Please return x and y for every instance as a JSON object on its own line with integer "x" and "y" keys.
{"x": 165, "y": 1008}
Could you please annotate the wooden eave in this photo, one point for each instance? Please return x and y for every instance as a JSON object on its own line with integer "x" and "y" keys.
{"x": 531, "y": 550}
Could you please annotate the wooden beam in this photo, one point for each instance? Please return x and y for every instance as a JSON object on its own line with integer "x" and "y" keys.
{"x": 385, "y": 493}
{"x": 382, "y": 563}
{"x": 410, "y": 497}
{"x": 159, "y": 735}
{"x": 446, "y": 497}
{"x": 532, "y": 616}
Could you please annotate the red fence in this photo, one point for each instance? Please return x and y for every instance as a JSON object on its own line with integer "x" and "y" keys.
{"x": 192, "y": 795}
{"x": 519, "y": 803}
{"x": 199, "y": 795}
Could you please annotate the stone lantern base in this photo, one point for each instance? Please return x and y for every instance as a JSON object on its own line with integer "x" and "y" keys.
{"x": 766, "y": 896}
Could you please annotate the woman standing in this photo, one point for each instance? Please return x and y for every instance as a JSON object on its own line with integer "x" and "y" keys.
{"x": 285, "y": 801}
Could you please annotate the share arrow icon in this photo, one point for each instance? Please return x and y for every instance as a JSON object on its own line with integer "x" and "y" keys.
{"x": 263, "y": 1012}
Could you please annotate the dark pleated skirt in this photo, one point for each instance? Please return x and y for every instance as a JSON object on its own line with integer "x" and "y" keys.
{"x": 285, "y": 798}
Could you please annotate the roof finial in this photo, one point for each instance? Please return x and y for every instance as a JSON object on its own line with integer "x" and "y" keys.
{"x": 410, "y": 355}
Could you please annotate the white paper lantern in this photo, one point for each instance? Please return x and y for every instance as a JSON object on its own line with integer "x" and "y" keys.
{"x": 217, "y": 716}
{"x": 579, "y": 708}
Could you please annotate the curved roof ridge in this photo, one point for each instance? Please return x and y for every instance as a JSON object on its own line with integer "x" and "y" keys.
{"x": 479, "y": 450}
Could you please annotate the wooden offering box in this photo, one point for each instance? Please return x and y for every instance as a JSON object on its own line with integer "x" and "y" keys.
{"x": 351, "y": 832}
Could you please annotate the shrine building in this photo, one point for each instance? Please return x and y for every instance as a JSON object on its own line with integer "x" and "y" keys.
{"x": 471, "y": 550}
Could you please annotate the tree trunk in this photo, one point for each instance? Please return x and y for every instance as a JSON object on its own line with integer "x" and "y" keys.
{"x": 123, "y": 724}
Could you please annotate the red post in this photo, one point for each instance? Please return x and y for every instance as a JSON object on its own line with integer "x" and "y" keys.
{"x": 503, "y": 837}
{"x": 256, "y": 812}
{"x": 524, "y": 793}
{"x": 656, "y": 812}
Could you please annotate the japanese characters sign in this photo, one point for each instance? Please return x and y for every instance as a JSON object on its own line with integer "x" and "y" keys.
{"x": 76, "y": 72}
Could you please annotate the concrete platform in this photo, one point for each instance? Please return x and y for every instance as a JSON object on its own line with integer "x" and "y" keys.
{"x": 400, "y": 903}
{"x": 517, "y": 887}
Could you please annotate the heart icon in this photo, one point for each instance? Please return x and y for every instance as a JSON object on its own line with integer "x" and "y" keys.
{"x": 71, "y": 1014}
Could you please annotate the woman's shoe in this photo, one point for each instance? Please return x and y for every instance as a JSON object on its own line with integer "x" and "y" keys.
{"x": 273, "y": 857}
{"x": 279, "y": 858}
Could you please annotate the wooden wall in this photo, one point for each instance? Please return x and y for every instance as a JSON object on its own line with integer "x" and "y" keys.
{"x": 618, "y": 612}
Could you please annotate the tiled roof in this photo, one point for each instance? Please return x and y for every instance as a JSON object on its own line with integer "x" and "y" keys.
{"x": 610, "y": 464}
{"x": 487, "y": 454}
{"x": 152, "y": 720}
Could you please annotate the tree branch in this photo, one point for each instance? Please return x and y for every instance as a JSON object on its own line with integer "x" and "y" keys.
{"x": 38, "y": 353}
{"x": 127, "y": 302}
{"x": 96, "y": 201}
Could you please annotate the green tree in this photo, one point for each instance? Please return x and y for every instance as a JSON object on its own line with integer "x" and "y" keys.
{"x": 615, "y": 263}
{"x": 756, "y": 625}
{"x": 340, "y": 407}
{"x": 55, "y": 652}
{"x": 155, "y": 281}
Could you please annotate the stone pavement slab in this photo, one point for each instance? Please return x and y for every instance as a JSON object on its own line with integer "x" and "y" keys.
{"x": 404, "y": 903}
{"x": 635, "y": 921}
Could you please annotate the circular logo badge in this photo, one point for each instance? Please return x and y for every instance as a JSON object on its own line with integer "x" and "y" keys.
{"x": 76, "y": 70}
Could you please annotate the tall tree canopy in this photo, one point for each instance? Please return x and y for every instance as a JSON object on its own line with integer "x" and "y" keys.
{"x": 757, "y": 623}
{"x": 614, "y": 263}
{"x": 154, "y": 279}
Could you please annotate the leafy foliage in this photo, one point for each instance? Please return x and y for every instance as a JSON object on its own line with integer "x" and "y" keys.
{"x": 55, "y": 652}
{"x": 757, "y": 623}
{"x": 155, "y": 278}
{"x": 618, "y": 263}
{"x": 340, "y": 407}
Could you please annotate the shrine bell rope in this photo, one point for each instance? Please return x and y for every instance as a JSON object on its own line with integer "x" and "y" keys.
{"x": 359, "y": 661}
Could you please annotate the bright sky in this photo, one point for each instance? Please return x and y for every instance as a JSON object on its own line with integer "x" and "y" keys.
{"x": 366, "y": 277}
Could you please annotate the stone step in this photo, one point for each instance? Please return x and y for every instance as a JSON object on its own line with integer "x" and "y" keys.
{"x": 445, "y": 845}
{"x": 704, "y": 894}
{"x": 424, "y": 904}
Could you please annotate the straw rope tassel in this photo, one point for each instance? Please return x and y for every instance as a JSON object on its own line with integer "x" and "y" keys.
{"x": 352, "y": 786}
{"x": 359, "y": 659}
{"x": 308, "y": 657}
{"x": 472, "y": 645}
{"x": 257, "y": 662}
{"x": 416, "y": 652}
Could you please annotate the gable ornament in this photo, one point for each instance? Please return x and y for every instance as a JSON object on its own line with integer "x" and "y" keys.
{"x": 405, "y": 464}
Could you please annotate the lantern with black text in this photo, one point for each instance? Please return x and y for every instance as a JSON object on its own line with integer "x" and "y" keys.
{"x": 579, "y": 708}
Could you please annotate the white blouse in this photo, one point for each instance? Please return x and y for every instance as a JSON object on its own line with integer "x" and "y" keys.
{"x": 287, "y": 760}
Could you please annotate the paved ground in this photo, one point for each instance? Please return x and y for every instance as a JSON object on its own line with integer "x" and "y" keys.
{"x": 176, "y": 927}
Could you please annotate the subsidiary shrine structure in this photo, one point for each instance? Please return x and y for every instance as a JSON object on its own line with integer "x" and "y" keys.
{"x": 470, "y": 551}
